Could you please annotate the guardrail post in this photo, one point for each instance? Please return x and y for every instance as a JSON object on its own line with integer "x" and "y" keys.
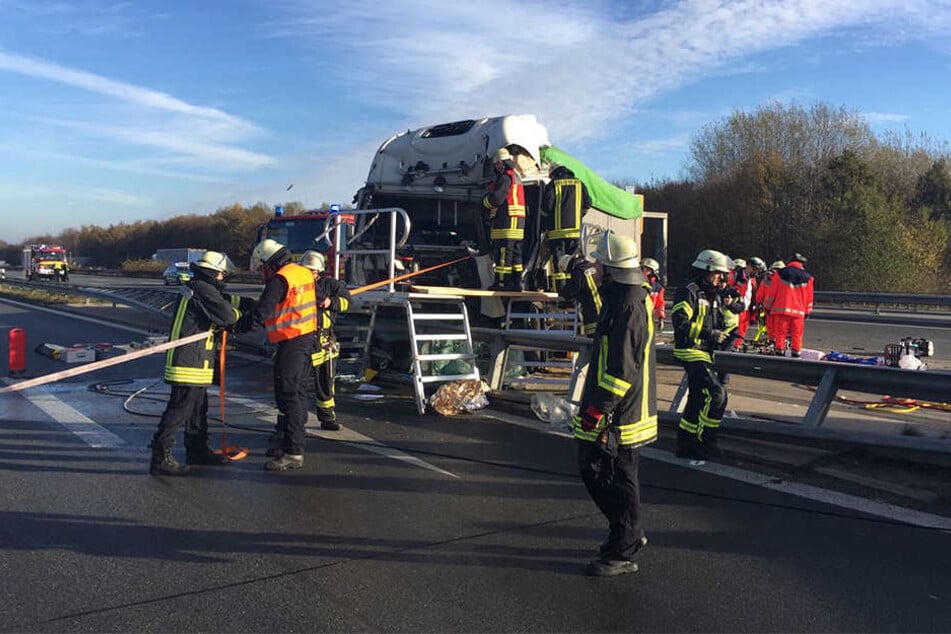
{"x": 576, "y": 385}
{"x": 498, "y": 351}
{"x": 825, "y": 394}
{"x": 679, "y": 401}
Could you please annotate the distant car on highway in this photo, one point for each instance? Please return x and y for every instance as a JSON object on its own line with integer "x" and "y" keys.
{"x": 177, "y": 273}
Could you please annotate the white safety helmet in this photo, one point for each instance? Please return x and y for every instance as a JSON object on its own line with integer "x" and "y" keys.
{"x": 264, "y": 251}
{"x": 502, "y": 154}
{"x": 711, "y": 260}
{"x": 651, "y": 264}
{"x": 758, "y": 263}
{"x": 314, "y": 260}
{"x": 778, "y": 264}
{"x": 619, "y": 253}
{"x": 739, "y": 263}
{"x": 215, "y": 261}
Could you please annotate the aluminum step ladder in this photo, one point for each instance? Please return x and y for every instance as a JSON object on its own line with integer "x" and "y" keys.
{"x": 550, "y": 318}
{"x": 427, "y": 328}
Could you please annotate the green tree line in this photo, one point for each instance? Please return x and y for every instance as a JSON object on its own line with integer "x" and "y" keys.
{"x": 871, "y": 214}
{"x": 230, "y": 230}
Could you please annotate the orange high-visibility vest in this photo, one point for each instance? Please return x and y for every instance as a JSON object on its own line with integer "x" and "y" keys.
{"x": 296, "y": 314}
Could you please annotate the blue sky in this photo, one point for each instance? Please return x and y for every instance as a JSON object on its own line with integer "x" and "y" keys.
{"x": 117, "y": 111}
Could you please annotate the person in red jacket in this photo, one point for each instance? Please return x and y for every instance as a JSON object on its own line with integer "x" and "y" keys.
{"x": 744, "y": 281}
{"x": 651, "y": 270}
{"x": 504, "y": 202}
{"x": 791, "y": 304}
{"x": 763, "y": 298}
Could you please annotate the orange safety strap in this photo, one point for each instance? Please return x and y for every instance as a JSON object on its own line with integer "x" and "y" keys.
{"x": 405, "y": 276}
{"x": 230, "y": 452}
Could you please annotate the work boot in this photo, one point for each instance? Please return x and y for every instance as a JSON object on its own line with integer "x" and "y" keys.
{"x": 328, "y": 418}
{"x": 611, "y": 567}
{"x": 285, "y": 462}
{"x": 164, "y": 464}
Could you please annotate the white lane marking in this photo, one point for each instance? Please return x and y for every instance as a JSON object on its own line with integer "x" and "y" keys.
{"x": 805, "y": 491}
{"x": 71, "y": 419}
{"x": 91, "y": 320}
{"x": 345, "y": 435}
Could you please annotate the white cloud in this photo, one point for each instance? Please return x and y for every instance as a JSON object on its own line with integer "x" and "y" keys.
{"x": 574, "y": 66}
{"x": 885, "y": 117}
{"x": 194, "y": 135}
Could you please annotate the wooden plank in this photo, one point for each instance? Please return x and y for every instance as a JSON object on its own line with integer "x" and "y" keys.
{"x": 482, "y": 292}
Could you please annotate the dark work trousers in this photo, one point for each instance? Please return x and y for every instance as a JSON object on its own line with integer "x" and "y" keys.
{"x": 619, "y": 501}
{"x": 188, "y": 405}
{"x": 324, "y": 391}
{"x": 706, "y": 402}
{"x": 508, "y": 263}
{"x": 291, "y": 369}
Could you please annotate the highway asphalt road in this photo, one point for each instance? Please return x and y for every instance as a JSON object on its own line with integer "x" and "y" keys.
{"x": 408, "y": 523}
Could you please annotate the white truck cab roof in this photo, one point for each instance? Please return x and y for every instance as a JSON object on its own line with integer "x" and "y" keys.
{"x": 454, "y": 154}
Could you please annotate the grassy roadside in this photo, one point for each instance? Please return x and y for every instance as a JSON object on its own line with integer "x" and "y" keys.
{"x": 43, "y": 296}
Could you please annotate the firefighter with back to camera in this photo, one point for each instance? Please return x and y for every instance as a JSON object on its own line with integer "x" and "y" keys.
{"x": 618, "y": 412}
{"x": 287, "y": 309}
{"x": 697, "y": 333}
{"x": 190, "y": 369}
{"x": 565, "y": 200}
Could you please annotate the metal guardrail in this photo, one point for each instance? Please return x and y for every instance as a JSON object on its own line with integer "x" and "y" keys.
{"x": 829, "y": 377}
{"x": 882, "y": 299}
{"x": 158, "y": 301}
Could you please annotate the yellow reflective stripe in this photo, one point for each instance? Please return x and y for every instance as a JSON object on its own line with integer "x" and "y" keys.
{"x": 687, "y": 426}
{"x": 197, "y": 376}
{"x": 684, "y": 306}
{"x": 344, "y": 304}
{"x": 326, "y": 404}
{"x": 640, "y": 432}
{"x": 306, "y": 317}
{"x": 613, "y": 384}
{"x": 560, "y": 234}
{"x": 507, "y": 234}
{"x": 588, "y": 329}
{"x": 487, "y": 204}
{"x": 645, "y": 358}
{"x": 176, "y": 331}
{"x": 593, "y": 288}
{"x": 581, "y": 433}
{"x": 692, "y": 354}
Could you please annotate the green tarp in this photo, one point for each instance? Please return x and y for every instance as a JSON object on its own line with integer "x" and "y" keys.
{"x": 608, "y": 198}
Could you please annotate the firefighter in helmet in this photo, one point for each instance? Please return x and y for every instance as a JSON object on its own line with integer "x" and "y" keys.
{"x": 565, "y": 200}
{"x": 505, "y": 204}
{"x": 618, "y": 411}
{"x": 333, "y": 298}
{"x": 287, "y": 309}
{"x": 697, "y": 333}
{"x": 190, "y": 369}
